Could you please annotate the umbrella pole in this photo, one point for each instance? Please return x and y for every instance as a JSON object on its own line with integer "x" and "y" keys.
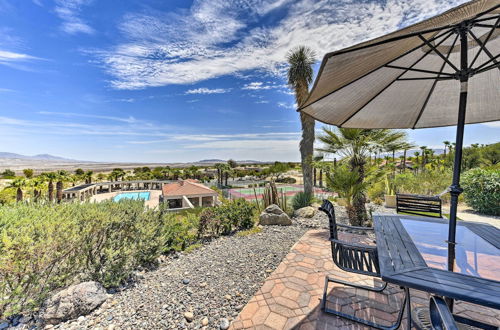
{"x": 455, "y": 189}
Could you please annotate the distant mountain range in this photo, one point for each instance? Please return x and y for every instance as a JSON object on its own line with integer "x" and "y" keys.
{"x": 11, "y": 155}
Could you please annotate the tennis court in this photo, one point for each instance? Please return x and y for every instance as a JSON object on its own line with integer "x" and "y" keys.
{"x": 287, "y": 189}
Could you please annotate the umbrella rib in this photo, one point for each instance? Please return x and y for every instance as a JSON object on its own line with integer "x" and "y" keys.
{"x": 438, "y": 52}
{"x": 388, "y": 85}
{"x": 419, "y": 70}
{"x": 431, "y": 91}
{"x": 426, "y": 78}
{"x": 480, "y": 69}
{"x": 366, "y": 74}
{"x": 496, "y": 65}
{"x": 483, "y": 45}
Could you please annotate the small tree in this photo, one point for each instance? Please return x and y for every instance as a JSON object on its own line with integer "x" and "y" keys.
{"x": 28, "y": 173}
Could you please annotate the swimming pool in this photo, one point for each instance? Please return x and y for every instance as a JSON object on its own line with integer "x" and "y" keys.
{"x": 132, "y": 195}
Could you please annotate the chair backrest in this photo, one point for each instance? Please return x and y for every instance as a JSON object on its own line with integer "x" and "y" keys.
{"x": 328, "y": 208}
{"x": 429, "y": 206}
{"x": 356, "y": 259}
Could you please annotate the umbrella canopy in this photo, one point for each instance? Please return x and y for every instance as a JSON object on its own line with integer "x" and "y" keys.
{"x": 440, "y": 72}
{"x": 411, "y": 78}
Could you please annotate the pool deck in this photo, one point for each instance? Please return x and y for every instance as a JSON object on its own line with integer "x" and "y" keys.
{"x": 154, "y": 197}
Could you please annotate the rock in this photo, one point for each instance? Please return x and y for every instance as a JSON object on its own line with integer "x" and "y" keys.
{"x": 189, "y": 316}
{"x": 185, "y": 281}
{"x": 227, "y": 297}
{"x": 224, "y": 324}
{"x": 305, "y": 212}
{"x": 4, "y": 325}
{"x": 204, "y": 322}
{"x": 48, "y": 326}
{"x": 72, "y": 302}
{"x": 273, "y": 215}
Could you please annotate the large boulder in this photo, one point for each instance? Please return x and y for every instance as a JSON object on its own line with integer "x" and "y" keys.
{"x": 305, "y": 212}
{"x": 273, "y": 215}
{"x": 72, "y": 302}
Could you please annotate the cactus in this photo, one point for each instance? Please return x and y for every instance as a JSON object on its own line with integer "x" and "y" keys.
{"x": 272, "y": 196}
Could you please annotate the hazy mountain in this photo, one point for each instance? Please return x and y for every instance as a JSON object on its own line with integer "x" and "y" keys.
{"x": 12, "y": 155}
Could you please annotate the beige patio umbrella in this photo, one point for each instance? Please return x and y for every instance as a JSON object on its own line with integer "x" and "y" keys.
{"x": 440, "y": 72}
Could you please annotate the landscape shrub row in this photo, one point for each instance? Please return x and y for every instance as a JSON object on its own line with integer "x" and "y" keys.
{"x": 45, "y": 246}
{"x": 482, "y": 190}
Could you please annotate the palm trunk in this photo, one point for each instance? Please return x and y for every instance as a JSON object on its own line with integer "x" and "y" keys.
{"x": 19, "y": 195}
{"x": 314, "y": 176}
{"x": 59, "y": 189}
{"x": 306, "y": 151}
{"x": 51, "y": 191}
{"x": 321, "y": 178}
{"x": 359, "y": 215}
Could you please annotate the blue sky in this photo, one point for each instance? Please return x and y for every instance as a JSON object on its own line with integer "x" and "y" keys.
{"x": 178, "y": 80}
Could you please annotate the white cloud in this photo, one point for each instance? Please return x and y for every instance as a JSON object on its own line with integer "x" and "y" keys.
{"x": 287, "y": 105}
{"x": 14, "y": 60}
{"x": 256, "y": 85}
{"x": 204, "y": 90}
{"x": 68, "y": 11}
{"x": 218, "y": 37}
{"x": 128, "y": 119}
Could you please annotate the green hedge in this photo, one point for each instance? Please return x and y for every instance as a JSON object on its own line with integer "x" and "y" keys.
{"x": 482, "y": 190}
{"x": 226, "y": 218}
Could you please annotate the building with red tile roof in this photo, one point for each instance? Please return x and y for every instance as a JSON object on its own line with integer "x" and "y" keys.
{"x": 188, "y": 194}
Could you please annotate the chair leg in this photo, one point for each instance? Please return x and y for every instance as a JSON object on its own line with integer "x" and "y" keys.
{"x": 360, "y": 320}
{"x": 354, "y": 285}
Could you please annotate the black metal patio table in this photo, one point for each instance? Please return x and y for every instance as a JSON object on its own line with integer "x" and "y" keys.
{"x": 414, "y": 253}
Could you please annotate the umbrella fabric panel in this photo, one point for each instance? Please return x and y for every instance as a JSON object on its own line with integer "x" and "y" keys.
{"x": 366, "y": 86}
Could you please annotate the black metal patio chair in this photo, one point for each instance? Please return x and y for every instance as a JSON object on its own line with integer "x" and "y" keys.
{"x": 359, "y": 259}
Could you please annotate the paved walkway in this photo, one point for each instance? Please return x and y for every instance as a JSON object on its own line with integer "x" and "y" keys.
{"x": 290, "y": 297}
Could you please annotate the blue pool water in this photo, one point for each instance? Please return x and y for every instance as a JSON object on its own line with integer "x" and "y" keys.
{"x": 132, "y": 195}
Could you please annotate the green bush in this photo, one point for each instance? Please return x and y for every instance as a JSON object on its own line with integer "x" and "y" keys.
{"x": 47, "y": 246}
{"x": 224, "y": 219}
{"x": 301, "y": 200}
{"x": 482, "y": 190}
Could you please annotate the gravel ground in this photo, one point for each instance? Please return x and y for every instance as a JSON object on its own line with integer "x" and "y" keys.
{"x": 213, "y": 282}
{"x": 320, "y": 220}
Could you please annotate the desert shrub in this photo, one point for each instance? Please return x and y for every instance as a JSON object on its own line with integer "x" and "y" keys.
{"x": 376, "y": 190}
{"x": 38, "y": 253}
{"x": 287, "y": 179}
{"x": 223, "y": 219}
{"x": 301, "y": 200}
{"x": 428, "y": 182}
{"x": 179, "y": 231}
{"x": 47, "y": 246}
{"x": 482, "y": 190}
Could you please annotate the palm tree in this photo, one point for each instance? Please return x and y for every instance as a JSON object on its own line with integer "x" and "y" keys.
{"x": 354, "y": 144}
{"x": 19, "y": 184}
{"x": 50, "y": 177}
{"x": 88, "y": 176}
{"x": 37, "y": 184}
{"x": 300, "y": 74}
{"x": 406, "y": 146}
{"x": 424, "y": 161}
{"x": 446, "y": 145}
{"x": 61, "y": 177}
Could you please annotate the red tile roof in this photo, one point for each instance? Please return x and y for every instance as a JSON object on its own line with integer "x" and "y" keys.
{"x": 186, "y": 188}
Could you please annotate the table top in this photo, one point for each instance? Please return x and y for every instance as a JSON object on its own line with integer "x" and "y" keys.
{"x": 413, "y": 252}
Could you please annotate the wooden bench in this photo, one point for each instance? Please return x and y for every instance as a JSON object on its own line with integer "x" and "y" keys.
{"x": 419, "y": 205}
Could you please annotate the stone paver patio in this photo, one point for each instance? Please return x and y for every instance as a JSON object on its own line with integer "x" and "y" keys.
{"x": 290, "y": 296}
